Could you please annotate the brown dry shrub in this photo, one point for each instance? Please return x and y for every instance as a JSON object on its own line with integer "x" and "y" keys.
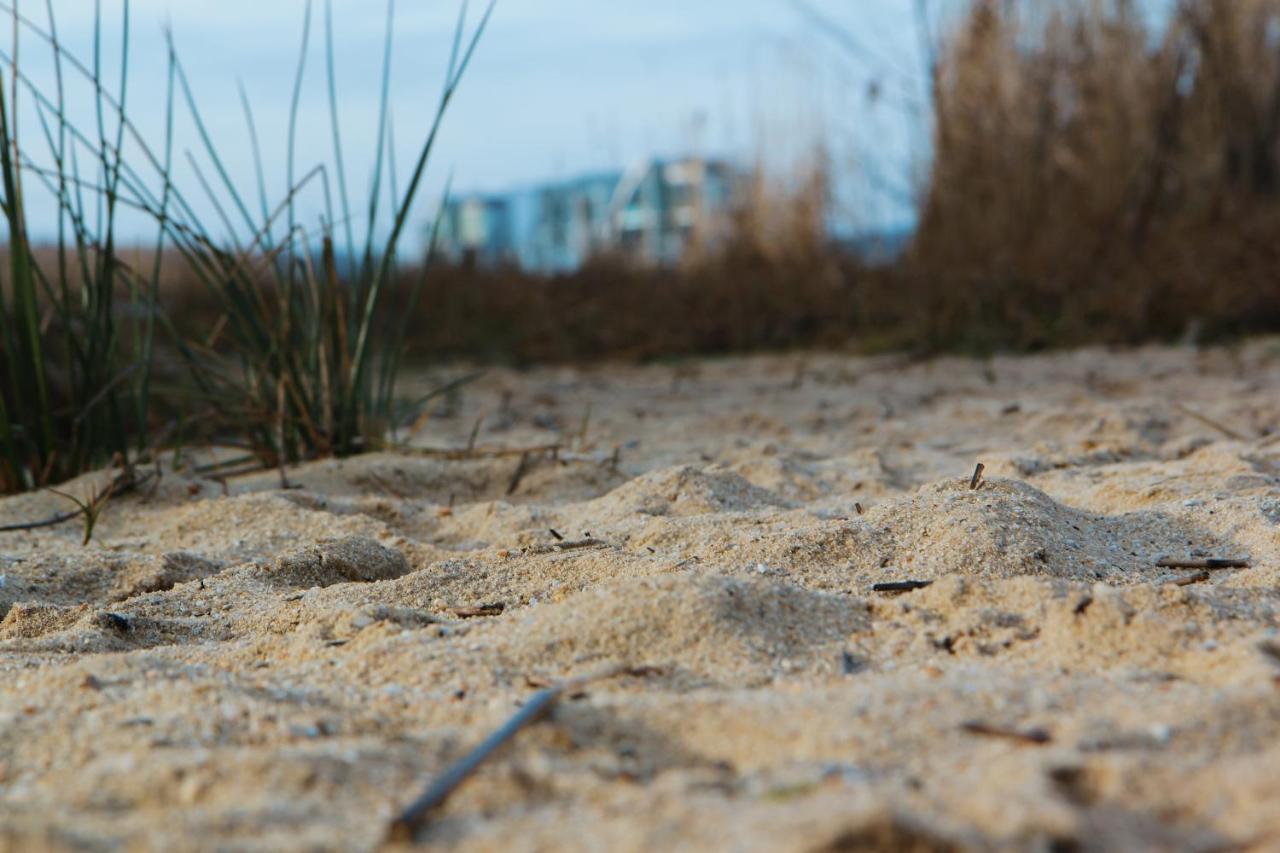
{"x": 1094, "y": 180}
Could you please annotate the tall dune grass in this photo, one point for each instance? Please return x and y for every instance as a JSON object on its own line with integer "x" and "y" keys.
{"x": 314, "y": 346}
{"x": 75, "y": 382}
{"x": 301, "y": 355}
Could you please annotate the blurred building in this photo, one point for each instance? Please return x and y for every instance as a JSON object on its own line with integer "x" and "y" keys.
{"x": 662, "y": 207}
{"x": 477, "y": 230}
{"x": 571, "y": 223}
{"x": 651, "y": 215}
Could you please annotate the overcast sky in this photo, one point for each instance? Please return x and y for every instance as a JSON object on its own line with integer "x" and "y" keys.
{"x": 557, "y": 87}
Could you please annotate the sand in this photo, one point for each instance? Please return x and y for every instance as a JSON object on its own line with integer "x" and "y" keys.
{"x": 236, "y": 665}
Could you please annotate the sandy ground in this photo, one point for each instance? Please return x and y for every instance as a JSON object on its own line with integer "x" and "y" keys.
{"x": 251, "y": 667}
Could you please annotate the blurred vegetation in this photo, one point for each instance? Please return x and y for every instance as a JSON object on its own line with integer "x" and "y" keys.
{"x": 1096, "y": 177}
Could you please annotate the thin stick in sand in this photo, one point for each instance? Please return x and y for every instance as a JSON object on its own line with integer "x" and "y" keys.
{"x": 557, "y": 547}
{"x": 414, "y": 817}
{"x": 1271, "y": 649}
{"x": 976, "y": 480}
{"x": 461, "y": 453}
{"x": 900, "y": 586}
{"x": 123, "y": 483}
{"x": 1210, "y": 422}
{"x": 382, "y": 484}
{"x": 521, "y": 470}
{"x": 1206, "y": 564}
{"x": 475, "y": 434}
{"x": 1036, "y": 736}
{"x": 494, "y": 609}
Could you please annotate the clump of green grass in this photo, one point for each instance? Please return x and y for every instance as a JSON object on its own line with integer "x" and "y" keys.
{"x": 311, "y": 348}
{"x": 302, "y": 358}
{"x": 75, "y": 381}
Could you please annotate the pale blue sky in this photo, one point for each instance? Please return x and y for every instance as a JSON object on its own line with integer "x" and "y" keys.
{"x": 557, "y": 87}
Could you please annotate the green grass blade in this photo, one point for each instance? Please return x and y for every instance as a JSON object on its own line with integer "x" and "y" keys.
{"x": 395, "y": 352}
{"x": 153, "y": 305}
{"x": 375, "y": 190}
{"x": 294, "y": 104}
{"x": 27, "y": 363}
{"x": 360, "y": 352}
{"x": 210, "y": 149}
{"x": 256, "y": 151}
{"x": 335, "y": 124}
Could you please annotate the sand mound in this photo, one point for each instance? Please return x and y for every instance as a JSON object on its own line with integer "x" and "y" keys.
{"x": 709, "y": 626}
{"x": 238, "y": 528}
{"x": 330, "y": 561}
{"x": 1009, "y": 528}
{"x": 157, "y": 574}
{"x": 682, "y": 492}
{"x": 24, "y": 621}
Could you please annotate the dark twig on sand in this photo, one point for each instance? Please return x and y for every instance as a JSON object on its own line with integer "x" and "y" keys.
{"x": 521, "y": 470}
{"x": 976, "y": 480}
{"x": 408, "y": 822}
{"x": 460, "y": 453}
{"x": 475, "y": 434}
{"x": 494, "y": 609}
{"x": 556, "y": 547}
{"x": 1036, "y": 735}
{"x": 1208, "y": 563}
{"x": 900, "y": 586}
{"x": 51, "y": 521}
{"x": 123, "y": 483}
{"x": 851, "y": 664}
{"x": 1210, "y": 422}
{"x": 1271, "y": 649}
{"x": 385, "y": 486}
